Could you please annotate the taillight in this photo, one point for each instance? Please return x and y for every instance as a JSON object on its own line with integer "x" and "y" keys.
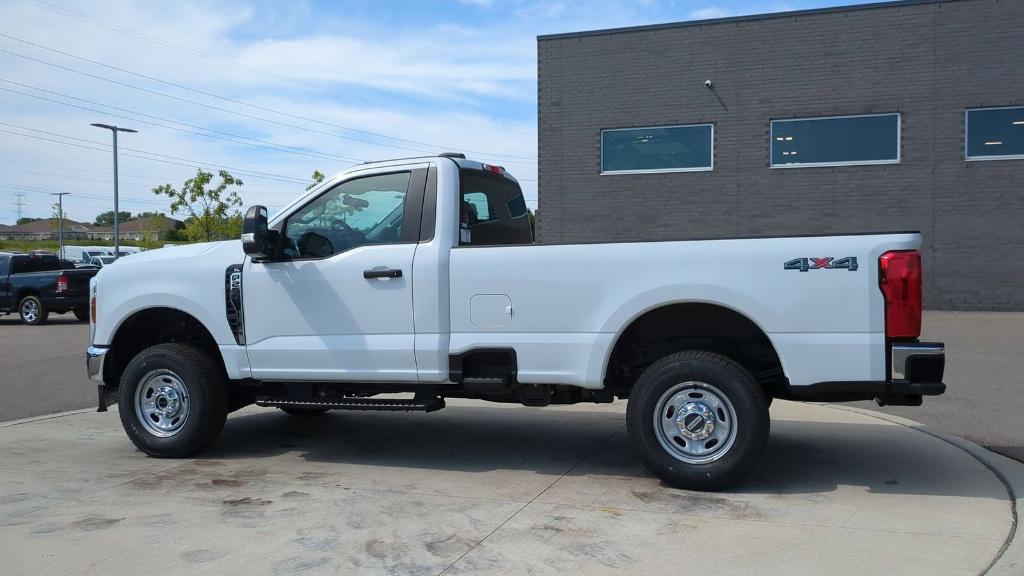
{"x": 493, "y": 169}
{"x": 900, "y": 279}
{"x": 62, "y": 283}
{"x": 92, "y": 309}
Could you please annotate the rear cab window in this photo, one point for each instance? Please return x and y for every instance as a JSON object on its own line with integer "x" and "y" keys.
{"x": 493, "y": 211}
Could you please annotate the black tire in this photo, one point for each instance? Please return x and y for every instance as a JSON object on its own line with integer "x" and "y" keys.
{"x": 303, "y": 410}
{"x": 751, "y": 422}
{"x": 32, "y": 311}
{"x": 206, "y": 389}
{"x": 82, "y": 313}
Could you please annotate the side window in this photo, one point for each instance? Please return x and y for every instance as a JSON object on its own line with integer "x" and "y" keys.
{"x": 364, "y": 211}
{"x": 19, "y": 265}
{"x": 493, "y": 211}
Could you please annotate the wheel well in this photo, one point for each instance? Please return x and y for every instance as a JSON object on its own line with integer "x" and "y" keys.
{"x": 153, "y": 326}
{"x": 694, "y": 326}
{"x": 26, "y": 292}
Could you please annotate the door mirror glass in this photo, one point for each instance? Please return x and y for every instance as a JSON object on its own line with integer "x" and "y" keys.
{"x": 255, "y": 234}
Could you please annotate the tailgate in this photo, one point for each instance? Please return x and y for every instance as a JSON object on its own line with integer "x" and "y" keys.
{"x": 78, "y": 282}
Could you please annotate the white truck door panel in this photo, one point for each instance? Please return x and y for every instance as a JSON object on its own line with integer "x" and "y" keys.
{"x": 322, "y": 320}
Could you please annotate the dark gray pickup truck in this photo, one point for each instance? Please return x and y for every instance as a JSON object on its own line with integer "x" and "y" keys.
{"x": 36, "y": 284}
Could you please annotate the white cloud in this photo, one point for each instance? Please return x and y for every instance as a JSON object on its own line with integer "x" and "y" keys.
{"x": 709, "y": 12}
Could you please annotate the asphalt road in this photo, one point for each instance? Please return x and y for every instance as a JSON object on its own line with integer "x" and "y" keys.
{"x": 42, "y": 370}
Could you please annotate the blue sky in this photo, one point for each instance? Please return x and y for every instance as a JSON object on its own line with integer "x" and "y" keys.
{"x": 274, "y": 90}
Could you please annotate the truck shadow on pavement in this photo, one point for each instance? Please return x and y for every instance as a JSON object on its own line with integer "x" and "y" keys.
{"x": 53, "y": 320}
{"x": 586, "y": 447}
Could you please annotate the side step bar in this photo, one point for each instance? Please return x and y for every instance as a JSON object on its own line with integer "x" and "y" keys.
{"x": 419, "y": 404}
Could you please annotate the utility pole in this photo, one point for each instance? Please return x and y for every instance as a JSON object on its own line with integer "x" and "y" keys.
{"x": 60, "y": 215}
{"x": 117, "y": 229}
{"x": 19, "y": 203}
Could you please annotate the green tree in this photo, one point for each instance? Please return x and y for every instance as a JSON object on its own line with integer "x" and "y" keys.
{"x": 212, "y": 212}
{"x": 106, "y": 219}
{"x": 317, "y": 177}
{"x": 58, "y": 214}
{"x": 27, "y": 220}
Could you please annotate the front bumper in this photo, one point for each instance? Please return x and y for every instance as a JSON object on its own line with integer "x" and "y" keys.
{"x": 94, "y": 356}
{"x": 915, "y": 370}
{"x": 94, "y": 359}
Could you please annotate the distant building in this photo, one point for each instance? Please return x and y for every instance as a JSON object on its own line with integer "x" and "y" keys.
{"x": 151, "y": 228}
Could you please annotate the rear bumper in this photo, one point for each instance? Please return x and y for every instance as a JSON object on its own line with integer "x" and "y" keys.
{"x": 915, "y": 370}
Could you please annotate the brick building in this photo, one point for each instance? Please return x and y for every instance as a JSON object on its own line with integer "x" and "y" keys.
{"x": 881, "y": 117}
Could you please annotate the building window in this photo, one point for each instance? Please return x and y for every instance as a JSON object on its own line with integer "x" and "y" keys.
{"x": 994, "y": 133}
{"x": 657, "y": 149}
{"x": 836, "y": 141}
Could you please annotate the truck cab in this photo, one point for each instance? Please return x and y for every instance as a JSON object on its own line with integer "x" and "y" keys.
{"x": 421, "y": 277}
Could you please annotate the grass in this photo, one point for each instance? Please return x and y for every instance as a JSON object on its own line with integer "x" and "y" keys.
{"x": 51, "y": 245}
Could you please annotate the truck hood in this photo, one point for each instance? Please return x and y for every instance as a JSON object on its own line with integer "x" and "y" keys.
{"x": 185, "y": 251}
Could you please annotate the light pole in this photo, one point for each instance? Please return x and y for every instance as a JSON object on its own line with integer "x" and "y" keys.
{"x": 60, "y": 216}
{"x": 117, "y": 229}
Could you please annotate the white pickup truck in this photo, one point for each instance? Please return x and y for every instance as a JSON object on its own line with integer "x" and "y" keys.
{"x": 421, "y": 276}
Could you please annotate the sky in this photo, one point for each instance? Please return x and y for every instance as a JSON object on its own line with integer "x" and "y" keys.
{"x": 272, "y": 91}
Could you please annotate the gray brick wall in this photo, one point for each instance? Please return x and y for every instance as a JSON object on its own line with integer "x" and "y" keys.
{"x": 928, "y": 61}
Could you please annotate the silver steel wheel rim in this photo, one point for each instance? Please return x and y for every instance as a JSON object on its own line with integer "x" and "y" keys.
{"x": 30, "y": 310}
{"x": 162, "y": 403}
{"x": 695, "y": 422}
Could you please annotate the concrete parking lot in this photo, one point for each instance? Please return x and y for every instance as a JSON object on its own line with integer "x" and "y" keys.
{"x": 491, "y": 489}
{"x": 495, "y": 489}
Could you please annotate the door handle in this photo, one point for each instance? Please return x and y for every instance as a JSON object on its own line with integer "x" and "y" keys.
{"x": 387, "y": 273}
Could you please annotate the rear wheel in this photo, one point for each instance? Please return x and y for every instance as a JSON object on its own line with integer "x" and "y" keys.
{"x": 173, "y": 400}
{"x": 32, "y": 310}
{"x": 698, "y": 419}
{"x": 82, "y": 313}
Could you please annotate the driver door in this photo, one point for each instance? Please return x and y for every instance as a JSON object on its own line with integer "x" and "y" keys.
{"x": 337, "y": 302}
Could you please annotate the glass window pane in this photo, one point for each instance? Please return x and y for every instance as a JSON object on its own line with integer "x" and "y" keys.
{"x": 995, "y": 132}
{"x": 657, "y": 149}
{"x": 844, "y": 140}
{"x": 493, "y": 211}
{"x": 367, "y": 210}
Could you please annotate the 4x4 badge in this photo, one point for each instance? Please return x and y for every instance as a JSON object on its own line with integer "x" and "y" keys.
{"x": 826, "y": 263}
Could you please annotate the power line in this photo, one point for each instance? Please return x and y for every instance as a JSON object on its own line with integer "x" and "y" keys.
{"x": 95, "y": 22}
{"x": 160, "y": 41}
{"x": 504, "y": 157}
{"x": 19, "y": 203}
{"x": 255, "y": 141}
{"x": 190, "y": 163}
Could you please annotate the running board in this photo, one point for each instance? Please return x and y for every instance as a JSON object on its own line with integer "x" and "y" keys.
{"x": 390, "y": 404}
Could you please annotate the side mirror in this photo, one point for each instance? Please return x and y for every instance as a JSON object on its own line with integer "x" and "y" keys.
{"x": 256, "y": 237}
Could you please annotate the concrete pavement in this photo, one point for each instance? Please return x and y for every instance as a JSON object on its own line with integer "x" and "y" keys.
{"x": 492, "y": 489}
{"x": 985, "y": 378}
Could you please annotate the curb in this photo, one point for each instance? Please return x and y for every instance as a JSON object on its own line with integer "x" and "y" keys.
{"x": 10, "y": 423}
{"x": 1010, "y": 560}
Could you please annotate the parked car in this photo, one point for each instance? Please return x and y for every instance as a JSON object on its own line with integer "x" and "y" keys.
{"x": 421, "y": 276}
{"x": 101, "y": 261}
{"x": 35, "y": 285}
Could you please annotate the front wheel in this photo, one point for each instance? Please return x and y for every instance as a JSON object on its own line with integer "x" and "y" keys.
{"x": 698, "y": 419}
{"x": 173, "y": 400}
{"x": 32, "y": 310}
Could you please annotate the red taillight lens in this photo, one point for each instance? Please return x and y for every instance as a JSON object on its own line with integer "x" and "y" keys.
{"x": 493, "y": 169}
{"x": 62, "y": 283}
{"x": 900, "y": 279}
